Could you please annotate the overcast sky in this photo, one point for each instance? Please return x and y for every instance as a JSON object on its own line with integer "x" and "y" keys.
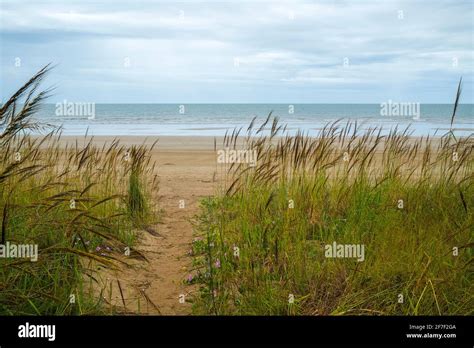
{"x": 241, "y": 51}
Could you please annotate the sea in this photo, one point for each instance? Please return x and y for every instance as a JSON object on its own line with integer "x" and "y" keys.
{"x": 217, "y": 119}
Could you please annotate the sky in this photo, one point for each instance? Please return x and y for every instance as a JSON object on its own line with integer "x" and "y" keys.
{"x": 240, "y": 51}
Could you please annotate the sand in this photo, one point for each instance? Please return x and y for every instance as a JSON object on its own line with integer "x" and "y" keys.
{"x": 165, "y": 143}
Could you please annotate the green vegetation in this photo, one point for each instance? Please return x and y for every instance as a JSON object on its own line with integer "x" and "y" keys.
{"x": 409, "y": 201}
{"x": 262, "y": 248}
{"x": 80, "y": 204}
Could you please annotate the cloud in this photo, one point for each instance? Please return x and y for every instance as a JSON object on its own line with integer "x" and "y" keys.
{"x": 230, "y": 51}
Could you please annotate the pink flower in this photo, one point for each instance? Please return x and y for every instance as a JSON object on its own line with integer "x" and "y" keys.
{"x": 217, "y": 264}
{"x": 190, "y": 278}
{"x": 97, "y": 249}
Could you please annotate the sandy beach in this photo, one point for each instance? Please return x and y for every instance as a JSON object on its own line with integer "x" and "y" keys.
{"x": 168, "y": 143}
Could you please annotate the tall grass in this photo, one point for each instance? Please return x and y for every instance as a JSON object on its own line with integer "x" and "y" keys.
{"x": 72, "y": 201}
{"x": 261, "y": 241}
{"x": 138, "y": 205}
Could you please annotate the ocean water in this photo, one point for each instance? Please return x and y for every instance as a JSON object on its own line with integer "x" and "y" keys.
{"x": 216, "y": 119}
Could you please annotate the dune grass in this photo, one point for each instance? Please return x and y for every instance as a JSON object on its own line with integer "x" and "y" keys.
{"x": 261, "y": 242}
{"x": 80, "y": 204}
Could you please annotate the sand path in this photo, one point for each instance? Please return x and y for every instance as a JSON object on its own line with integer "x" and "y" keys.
{"x": 186, "y": 167}
{"x": 155, "y": 287}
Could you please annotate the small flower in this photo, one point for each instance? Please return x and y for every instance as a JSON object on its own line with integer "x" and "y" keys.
{"x": 108, "y": 248}
{"x": 103, "y": 254}
{"x": 189, "y": 278}
{"x": 88, "y": 242}
{"x": 97, "y": 249}
{"x": 217, "y": 264}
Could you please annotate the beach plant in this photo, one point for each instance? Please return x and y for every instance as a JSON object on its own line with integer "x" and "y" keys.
{"x": 350, "y": 222}
{"x": 68, "y": 199}
{"x": 137, "y": 200}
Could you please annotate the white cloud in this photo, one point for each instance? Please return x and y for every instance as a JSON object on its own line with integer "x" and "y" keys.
{"x": 190, "y": 48}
